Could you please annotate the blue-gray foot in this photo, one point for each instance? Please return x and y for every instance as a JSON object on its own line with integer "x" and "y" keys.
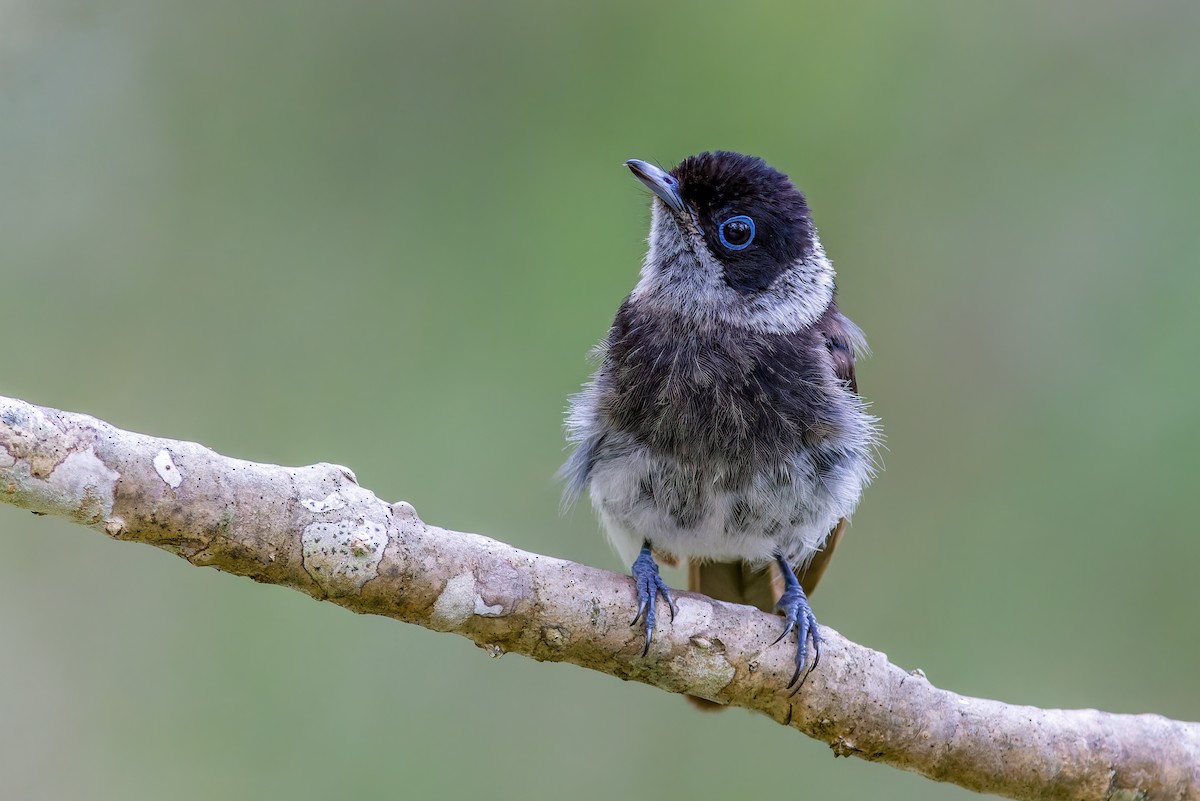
{"x": 799, "y": 618}
{"x": 649, "y": 587}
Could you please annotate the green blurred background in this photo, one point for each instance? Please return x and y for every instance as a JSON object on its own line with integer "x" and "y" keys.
{"x": 386, "y": 234}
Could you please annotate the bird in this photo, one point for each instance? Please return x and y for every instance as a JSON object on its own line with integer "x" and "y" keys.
{"x": 723, "y": 427}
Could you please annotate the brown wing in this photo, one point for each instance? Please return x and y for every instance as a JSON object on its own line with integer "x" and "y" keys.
{"x": 841, "y": 337}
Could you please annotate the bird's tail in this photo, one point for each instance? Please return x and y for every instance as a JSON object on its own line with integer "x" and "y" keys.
{"x": 739, "y": 583}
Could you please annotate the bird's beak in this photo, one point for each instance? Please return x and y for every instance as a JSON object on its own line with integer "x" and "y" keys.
{"x": 660, "y": 183}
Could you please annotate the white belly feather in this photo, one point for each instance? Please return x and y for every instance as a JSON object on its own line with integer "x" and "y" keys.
{"x": 768, "y": 516}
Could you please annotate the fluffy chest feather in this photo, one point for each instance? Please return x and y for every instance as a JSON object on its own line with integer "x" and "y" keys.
{"x": 720, "y": 444}
{"x": 733, "y": 401}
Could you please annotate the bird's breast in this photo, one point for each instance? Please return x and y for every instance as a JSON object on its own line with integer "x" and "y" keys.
{"x": 732, "y": 402}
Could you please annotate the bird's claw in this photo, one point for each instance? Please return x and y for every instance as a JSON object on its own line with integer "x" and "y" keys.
{"x": 799, "y": 618}
{"x": 649, "y": 586}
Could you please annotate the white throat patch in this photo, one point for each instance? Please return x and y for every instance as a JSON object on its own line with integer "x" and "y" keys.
{"x": 680, "y": 274}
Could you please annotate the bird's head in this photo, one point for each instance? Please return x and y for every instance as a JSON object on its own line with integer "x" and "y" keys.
{"x": 732, "y": 243}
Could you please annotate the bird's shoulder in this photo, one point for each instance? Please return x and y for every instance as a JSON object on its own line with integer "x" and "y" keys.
{"x": 844, "y": 341}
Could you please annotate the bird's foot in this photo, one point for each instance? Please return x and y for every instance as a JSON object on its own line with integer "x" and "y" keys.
{"x": 649, "y": 586}
{"x": 798, "y": 617}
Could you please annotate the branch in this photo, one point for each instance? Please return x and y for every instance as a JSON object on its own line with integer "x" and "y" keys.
{"x": 315, "y": 530}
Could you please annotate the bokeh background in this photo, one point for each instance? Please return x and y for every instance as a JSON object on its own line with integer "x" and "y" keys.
{"x": 385, "y": 234}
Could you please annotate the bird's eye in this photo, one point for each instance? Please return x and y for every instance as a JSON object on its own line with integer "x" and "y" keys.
{"x": 737, "y": 233}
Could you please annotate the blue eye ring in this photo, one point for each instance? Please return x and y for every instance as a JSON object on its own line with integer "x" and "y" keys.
{"x": 741, "y": 218}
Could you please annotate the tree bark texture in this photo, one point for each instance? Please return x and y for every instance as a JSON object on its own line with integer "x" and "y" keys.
{"x": 314, "y": 529}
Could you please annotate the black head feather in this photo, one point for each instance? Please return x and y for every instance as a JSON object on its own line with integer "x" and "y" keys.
{"x": 722, "y": 185}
